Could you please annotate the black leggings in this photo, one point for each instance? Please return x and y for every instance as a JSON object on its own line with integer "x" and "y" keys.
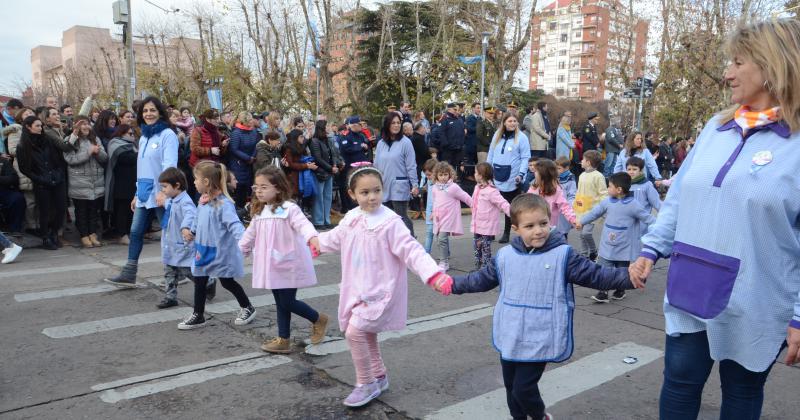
{"x": 228, "y": 283}
{"x": 509, "y": 196}
{"x": 52, "y": 205}
{"x": 123, "y": 216}
{"x": 286, "y": 303}
{"x": 87, "y": 214}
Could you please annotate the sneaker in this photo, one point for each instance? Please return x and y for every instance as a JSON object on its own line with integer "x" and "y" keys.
{"x": 246, "y": 315}
{"x": 444, "y": 265}
{"x": 618, "y": 295}
{"x": 125, "y": 240}
{"x": 193, "y": 322}
{"x": 120, "y": 281}
{"x": 277, "y": 345}
{"x": 363, "y": 394}
{"x": 593, "y": 256}
{"x": 318, "y": 329}
{"x": 167, "y": 303}
{"x": 11, "y": 254}
{"x": 211, "y": 290}
{"x": 383, "y": 382}
{"x": 601, "y": 297}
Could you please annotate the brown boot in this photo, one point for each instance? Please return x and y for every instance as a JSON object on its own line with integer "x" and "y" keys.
{"x": 86, "y": 242}
{"x": 277, "y": 345}
{"x": 318, "y": 329}
{"x": 95, "y": 241}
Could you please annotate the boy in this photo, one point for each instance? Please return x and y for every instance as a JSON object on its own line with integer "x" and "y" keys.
{"x": 625, "y": 217}
{"x": 567, "y": 182}
{"x": 177, "y": 249}
{"x": 424, "y": 183}
{"x": 268, "y": 151}
{"x": 642, "y": 189}
{"x": 530, "y": 176}
{"x": 541, "y": 255}
{"x": 591, "y": 190}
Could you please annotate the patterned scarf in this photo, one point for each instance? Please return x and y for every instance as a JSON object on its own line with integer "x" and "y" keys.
{"x": 748, "y": 120}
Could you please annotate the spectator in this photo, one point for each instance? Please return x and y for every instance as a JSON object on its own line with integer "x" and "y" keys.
{"x": 353, "y": 146}
{"x": 206, "y": 142}
{"x": 564, "y": 142}
{"x": 186, "y": 121}
{"x": 448, "y": 139}
{"x": 634, "y": 146}
{"x": 328, "y": 161}
{"x": 86, "y": 185}
{"x": 242, "y": 153}
{"x": 121, "y": 180}
{"x": 680, "y": 152}
{"x": 539, "y": 130}
{"x": 105, "y": 126}
{"x": 421, "y": 151}
{"x": 12, "y": 201}
{"x": 13, "y": 133}
{"x": 484, "y": 133}
{"x": 268, "y": 152}
{"x": 126, "y": 117}
{"x": 42, "y": 160}
{"x": 298, "y": 159}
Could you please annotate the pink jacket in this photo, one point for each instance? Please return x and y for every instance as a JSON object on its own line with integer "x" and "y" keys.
{"x": 279, "y": 243}
{"x": 558, "y": 204}
{"x": 447, "y": 209}
{"x": 486, "y": 203}
{"x": 377, "y": 249}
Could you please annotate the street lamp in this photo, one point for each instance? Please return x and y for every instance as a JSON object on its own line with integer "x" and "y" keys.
{"x": 484, "y": 46}
{"x": 317, "y": 66}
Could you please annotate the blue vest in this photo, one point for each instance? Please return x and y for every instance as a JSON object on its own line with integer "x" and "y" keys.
{"x": 533, "y": 316}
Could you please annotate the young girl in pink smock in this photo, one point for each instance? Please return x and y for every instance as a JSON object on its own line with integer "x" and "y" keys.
{"x": 487, "y": 203}
{"x": 376, "y": 249}
{"x": 447, "y": 198}
{"x": 278, "y": 238}
{"x": 546, "y": 185}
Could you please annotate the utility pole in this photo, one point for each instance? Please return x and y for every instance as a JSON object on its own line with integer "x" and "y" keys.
{"x": 484, "y": 46}
{"x": 131, "y": 57}
{"x": 641, "y": 101}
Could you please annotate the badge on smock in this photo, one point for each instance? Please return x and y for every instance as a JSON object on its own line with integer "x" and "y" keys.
{"x": 760, "y": 160}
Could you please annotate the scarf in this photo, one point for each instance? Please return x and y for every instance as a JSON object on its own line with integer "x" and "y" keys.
{"x": 639, "y": 179}
{"x": 214, "y": 132}
{"x": 566, "y": 127}
{"x": 748, "y": 120}
{"x": 564, "y": 176}
{"x": 241, "y": 126}
{"x": 151, "y": 130}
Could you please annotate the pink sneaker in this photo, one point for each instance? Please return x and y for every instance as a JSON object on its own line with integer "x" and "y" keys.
{"x": 363, "y": 394}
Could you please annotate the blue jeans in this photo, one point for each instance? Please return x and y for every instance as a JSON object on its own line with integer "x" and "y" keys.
{"x": 322, "y": 202}
{"x": 428, "y": 237}
{"x": 608, "y": 164}
{"x": 142, "y": 217}
{"x": 687, "y": 364}
{"x": 5, "y": 242}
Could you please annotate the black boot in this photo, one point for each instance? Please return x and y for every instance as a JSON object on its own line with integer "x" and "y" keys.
{"x": 47, "y": 243}
{"x": 54, "y": 239}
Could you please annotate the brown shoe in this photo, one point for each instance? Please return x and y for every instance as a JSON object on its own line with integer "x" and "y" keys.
{"x": 95, "y": 241}
{"x": 86, "y": 242}
{"x": 318, "y": 329}
{"x": 124, "y": 240}
{"x": 277, "y": 345}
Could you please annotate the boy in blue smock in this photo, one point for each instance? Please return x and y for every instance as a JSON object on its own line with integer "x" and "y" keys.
{"x": 177, "y": 244}
{"x": 626, "y": 220}
{"x": 642, "y": 189}
{"x": 532, "y": 322}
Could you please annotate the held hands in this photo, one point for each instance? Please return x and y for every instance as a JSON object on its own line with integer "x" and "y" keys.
{"x": 578, "y": 225}
{"x": 415, "y": 191}
{"x": 313, "y": 243}
{"x": 793, "y": 340}
{"x": 518, "y": 179}
{"x": 442, "y": 283}
{"x": 226, "y": 142}
{"x": 204, "y": 199}
{"x": 187, "y": 235}
{"x": 335, "y": 170}
{"x": 215, "y": 151}
{"x": 161, "y": 199}
{"x": 639, "y": 271}
{"x": 364, "y": 146}
{"x": 312, "y": 166}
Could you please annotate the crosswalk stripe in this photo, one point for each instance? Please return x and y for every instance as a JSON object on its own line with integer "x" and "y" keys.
{"x": 177, "y": 371}
{"x": 414, "y": 326}
{"x": 91, "y": 327}
{"x": 193, "y": 378}
{"x": 557, "y": 384}
{"x": 58, "y": 293}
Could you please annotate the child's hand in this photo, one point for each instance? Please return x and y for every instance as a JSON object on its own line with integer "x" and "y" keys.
{"x": 658, "y": 183}
{"x": 442, "y": 283}
{"x": 313, "y": 243}
{"x": 578, "y": 225}
{"x": 187, "y": 235}
{"x": 203, "y": 199}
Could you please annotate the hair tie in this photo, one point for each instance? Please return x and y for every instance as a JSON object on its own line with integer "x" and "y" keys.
{"x": 360, "y": 164}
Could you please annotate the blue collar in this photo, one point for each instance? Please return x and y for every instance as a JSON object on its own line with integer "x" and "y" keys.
{"x": 625, "y": 200}
{"x": 780, "y": 128}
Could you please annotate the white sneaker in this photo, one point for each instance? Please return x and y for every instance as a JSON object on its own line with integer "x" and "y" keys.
{"x": 246, "y": 315}
{"x": 11, "y": 254}
{"x": 444, "y": 265}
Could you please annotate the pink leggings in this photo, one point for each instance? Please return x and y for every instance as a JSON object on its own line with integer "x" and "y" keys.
{"x": 366, "y": 355}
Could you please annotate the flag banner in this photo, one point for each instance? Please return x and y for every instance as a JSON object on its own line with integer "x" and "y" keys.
{"x": 469, "y": 60}
{"x": 215, "y": 98}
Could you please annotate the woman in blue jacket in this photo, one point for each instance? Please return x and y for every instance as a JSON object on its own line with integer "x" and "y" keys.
{"x": 242, "y": 154}
{"x": 508, "y": 154}
{"x": 158, "y": 150}
{"x": 634, "y": 146}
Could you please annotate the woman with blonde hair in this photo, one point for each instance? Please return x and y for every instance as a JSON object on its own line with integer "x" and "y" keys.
{"x": 735, "y": 298}
{"x": 564, "y": 141}
{"x": 509, "y": 152}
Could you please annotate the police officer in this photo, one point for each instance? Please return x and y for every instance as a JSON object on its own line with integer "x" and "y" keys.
{"x": 589, "y": 133}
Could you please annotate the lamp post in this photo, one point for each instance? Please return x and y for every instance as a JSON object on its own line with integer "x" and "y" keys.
{"x": 484, "y": 46}
{"x": 316, "y": 65}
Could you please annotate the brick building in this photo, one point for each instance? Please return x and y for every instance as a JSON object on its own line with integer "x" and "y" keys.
{"x": 579, "y": 46}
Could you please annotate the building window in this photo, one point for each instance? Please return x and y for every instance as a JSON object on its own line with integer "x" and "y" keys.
{"x": 560, "y": 78}
{"x": 577, "y": 35}
{"x": 564, "y": 37}
{"x": 553, "y": 26}
{"x": 562, "y": 52}
{"x": 562, "y": 65}
{"x": 541, "y": 74}
{"x": 559, "y": 92}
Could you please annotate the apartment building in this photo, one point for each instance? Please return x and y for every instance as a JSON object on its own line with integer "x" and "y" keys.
{"x": 579, "y": 48}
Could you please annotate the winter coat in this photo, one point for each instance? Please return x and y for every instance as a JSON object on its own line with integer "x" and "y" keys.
{"x": 590, "y": 138}
{"x": 13, "y": 133}
{"x": 296, "y": 166}
{"x": 537, "y": 133}
{"x": 186, "y": 124}
{"x": 377, "y": 250}
{"x": 241, "y": 150}
{"x": 85, "y": 171}
{"x": 326, "y": 156}
{"x": 421, "y": 151}
{"x": 201, "y": 143}
{"x": 9, "y": 180}
{"x": 266, "y": 155}
{"x": 450, "y": 134}
{"x": 42, "y": 161}
{"x": 278, "y": 240}
{"x": 487, "y": 203}
{"x": 564, "y": 142}
{"x": 120, "y": 171}
{"x": 351, "y": 149}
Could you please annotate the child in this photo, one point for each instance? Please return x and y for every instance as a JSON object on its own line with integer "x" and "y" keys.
{"x": 548, "y": 187}
{"x": 642, "y": 189}
{"x": 377, "y": 249}
{"x": 532, "y": 322}
{"x": 268, "y": 151}
{"x": 177, "y": 249}
{"x": 486, "y": 204}
{"x": 567, "y": 183}
{"x": 447, "y": 209}
{"x": 425, "y": 185}
{"x": 591, "y": 190}
{"x": 10, "y": 250}
{"x": 278, "y": 236}
{"x": 619, "y": 243}
{"x": 217, "y": 231}
{"x": 530, "y": 177}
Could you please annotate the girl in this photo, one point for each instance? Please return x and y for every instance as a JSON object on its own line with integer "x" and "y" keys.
{"x": 377, "y": 251}
{"x": 486, "y": 202}
{"x": 547, "y": 186}
{"x": 218, "y": 231}
{"x": 86, "y": 182}
{"x": 447, "y": 209}
{"x": 277, "y": 237}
